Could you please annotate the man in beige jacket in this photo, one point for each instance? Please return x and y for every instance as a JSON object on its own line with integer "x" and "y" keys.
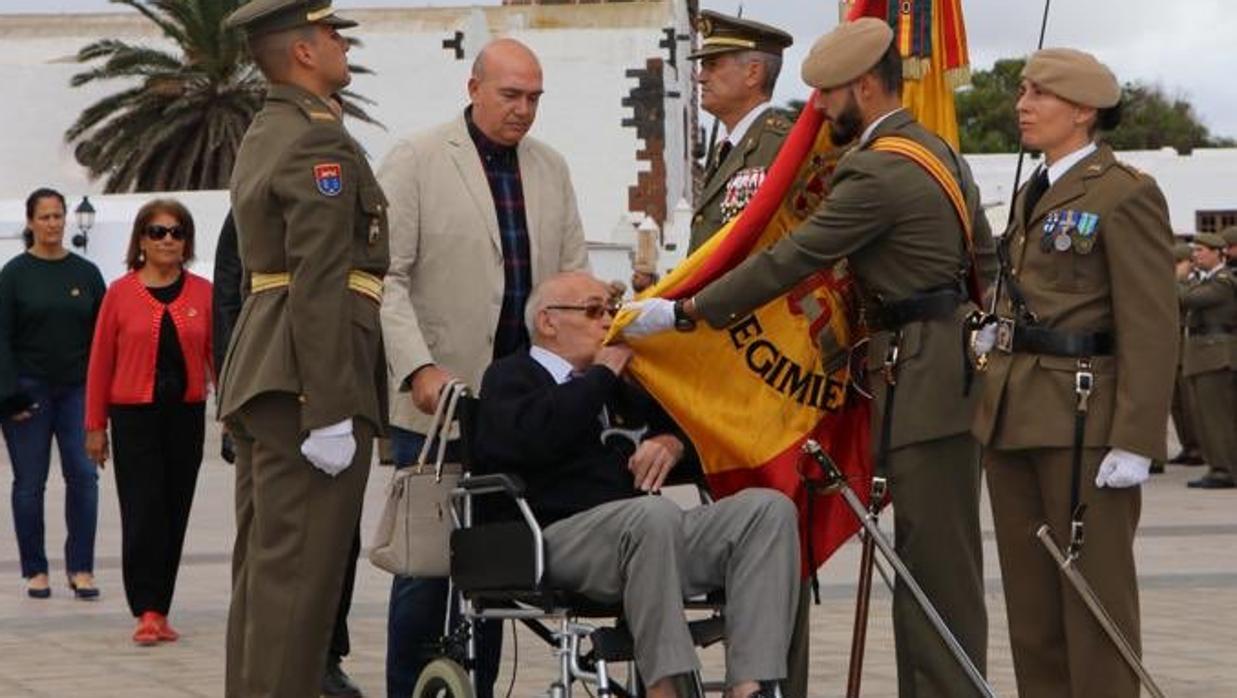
{"x": 480, "y": 213}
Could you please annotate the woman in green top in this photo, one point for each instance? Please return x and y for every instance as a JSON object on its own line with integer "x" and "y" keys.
{"x": 49, "y": 298}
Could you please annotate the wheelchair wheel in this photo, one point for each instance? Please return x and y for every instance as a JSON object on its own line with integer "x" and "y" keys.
{"x": 443, "y": 678}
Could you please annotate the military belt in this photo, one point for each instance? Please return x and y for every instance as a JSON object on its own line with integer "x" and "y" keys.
{"x": 361, "y": 282}
{"x": 1028, "y": 339}
{"x": 1200, "y": 330}
{"x": 930, "y": 305}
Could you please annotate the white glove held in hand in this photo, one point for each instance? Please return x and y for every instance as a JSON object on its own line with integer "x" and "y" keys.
{"x": 656, "y": 316}
{"x": 1123, "y": 469}
{"x": 330, "y": 449}
{"x": 985, "y": 339}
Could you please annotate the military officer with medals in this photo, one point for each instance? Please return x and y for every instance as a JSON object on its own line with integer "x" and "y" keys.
{"x": 918, "y": 244}
{"x": 1079, "y": 377}
{"x": 1209, "y": 362}
{"x": 301, "y": 387}
{"x": 739, "y": 61}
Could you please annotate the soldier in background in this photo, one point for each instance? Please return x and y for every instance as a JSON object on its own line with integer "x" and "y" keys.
{"x": 739, "y": 64}
{"x": 1230, "y": 239}
{"x": 302, "y": 388}
{"x": 1210, "y": 361}
{"x": 1190, "y": 453}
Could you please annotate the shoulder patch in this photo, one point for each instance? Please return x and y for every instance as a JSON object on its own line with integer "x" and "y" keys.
{"x": 329, "y": 178}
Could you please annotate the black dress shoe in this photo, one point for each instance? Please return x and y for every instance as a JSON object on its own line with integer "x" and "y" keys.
{"x": 1186, "y": 458}
{"x": 1211, "y": 482}
{"x": 336, "y": 683}
{"x": 1157, "y": 467}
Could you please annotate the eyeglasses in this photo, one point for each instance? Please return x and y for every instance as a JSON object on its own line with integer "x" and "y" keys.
{"x": 591, "y": 310}
{"x": 158, "y": 232}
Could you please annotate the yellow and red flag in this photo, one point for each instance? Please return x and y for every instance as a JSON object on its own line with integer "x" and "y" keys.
{"x": 750, "y": 395}
{"x": 931, "y": 36}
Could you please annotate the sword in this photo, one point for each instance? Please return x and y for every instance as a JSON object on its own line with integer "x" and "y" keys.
{"x": 882, "y": 544}
{"x": 1066, "y": 564}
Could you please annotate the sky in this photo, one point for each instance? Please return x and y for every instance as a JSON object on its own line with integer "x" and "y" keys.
{"x": 1149, "y": 41}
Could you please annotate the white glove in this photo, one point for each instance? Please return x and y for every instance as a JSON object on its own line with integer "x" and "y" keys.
{"x": 656, "y": 316}
{"x": 1123, "y": 469}
{"x": 330, "y": 449}
{"x": 984, "y": 339}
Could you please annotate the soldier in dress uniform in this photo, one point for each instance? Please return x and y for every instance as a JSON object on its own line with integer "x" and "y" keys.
{"x": 1079, "y": 382}
{"x": 301, "y": 387}
{"x": 914, "y": 242}
{"x": 1181, "y": 411}
{"x": 739, "y": 64}
{"x": 1210, "y": 360}
{"x": 1230, "y": 240}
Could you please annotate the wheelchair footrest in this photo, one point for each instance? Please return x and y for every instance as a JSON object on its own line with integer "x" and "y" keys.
{"x": 617, "y": 645}
{"x": 613, "y": 644}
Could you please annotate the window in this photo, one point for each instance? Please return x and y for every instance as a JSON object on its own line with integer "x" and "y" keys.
{"x": 1214, "y": 221}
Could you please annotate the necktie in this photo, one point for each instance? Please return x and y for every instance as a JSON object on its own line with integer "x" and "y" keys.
{"x": 1035, "y": 190}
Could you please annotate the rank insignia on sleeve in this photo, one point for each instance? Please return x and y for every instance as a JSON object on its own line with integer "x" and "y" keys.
{"x": 329, "y": 177}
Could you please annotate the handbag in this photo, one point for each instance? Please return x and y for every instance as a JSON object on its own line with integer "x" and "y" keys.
{"x": 413, "y": 535}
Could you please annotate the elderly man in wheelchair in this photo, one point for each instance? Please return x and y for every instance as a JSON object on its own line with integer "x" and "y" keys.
{"x": 544, "y": 438}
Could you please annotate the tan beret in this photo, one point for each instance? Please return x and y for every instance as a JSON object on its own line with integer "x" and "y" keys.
{"x": 1230, "y": 234}
{"x": 1181, "y": 251}
{"x": 1211, "y": 240}
{"x": 1073, "y": 75}
{"x": 846, "y": 53}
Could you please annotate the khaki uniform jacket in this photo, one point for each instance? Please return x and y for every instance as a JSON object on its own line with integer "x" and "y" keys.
{"x": 1211, "y": 302}
{"x": 899, "y": 231}
{"x": 752, "y": 156}
{"x": 444, "y": 292}
{"x": 1123, "y": 284}
{"x": 306, "y": 202}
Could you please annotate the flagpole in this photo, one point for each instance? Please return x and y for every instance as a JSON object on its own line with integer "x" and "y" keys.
{"x": 1043, "y": 28}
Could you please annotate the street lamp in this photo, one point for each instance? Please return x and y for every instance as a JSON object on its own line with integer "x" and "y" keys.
{"x": 85, "y": 221}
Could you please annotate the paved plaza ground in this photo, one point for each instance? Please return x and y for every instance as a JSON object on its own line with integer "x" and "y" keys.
{"x": 61, "y": 647}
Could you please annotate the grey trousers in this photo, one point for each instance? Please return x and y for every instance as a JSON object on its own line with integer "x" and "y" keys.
{"x": 648, "y": 554}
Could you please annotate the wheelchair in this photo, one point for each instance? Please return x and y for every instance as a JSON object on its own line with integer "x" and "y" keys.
{"x": 497, "y": 572}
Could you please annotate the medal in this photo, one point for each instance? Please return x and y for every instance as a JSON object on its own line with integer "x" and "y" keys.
{"x": 1061, "y": 241}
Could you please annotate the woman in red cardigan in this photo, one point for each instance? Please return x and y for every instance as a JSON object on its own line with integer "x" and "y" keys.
{"x": 149, "y": 367}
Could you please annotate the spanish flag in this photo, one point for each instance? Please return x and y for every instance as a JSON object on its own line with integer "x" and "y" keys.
{"x": 750, "y": 395}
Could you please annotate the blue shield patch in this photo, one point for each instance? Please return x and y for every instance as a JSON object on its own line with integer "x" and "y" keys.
{"x": 329, "y": 177}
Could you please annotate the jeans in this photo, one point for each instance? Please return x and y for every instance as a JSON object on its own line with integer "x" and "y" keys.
{"x": 60, "y": 411}
{"x": 418, "y": 610}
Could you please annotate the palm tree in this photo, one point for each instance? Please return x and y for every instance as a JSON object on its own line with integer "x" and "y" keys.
{"x": 179, "y": 123}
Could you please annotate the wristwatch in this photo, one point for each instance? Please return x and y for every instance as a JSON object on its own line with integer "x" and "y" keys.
{"x": 682, "y": 321}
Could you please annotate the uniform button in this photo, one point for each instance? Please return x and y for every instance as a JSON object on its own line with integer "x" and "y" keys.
{"x": 302, "y": 399}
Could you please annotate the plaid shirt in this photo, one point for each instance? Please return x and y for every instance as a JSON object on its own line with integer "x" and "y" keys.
{"x": 502, "y": 169}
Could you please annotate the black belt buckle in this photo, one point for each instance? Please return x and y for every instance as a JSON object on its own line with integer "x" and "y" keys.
{"x": 1005, "y": 334}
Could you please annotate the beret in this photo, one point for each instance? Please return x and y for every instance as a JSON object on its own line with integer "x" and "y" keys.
{"x": 1181, "y": 251}
{"x": 1229, "y": 234}
{"x": 1211, "y": 240}
{"x": 846, "y": 53}
{"x": 1073, "y": 75}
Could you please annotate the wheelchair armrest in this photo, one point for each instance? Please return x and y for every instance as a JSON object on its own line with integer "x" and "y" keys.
{"x": 494, "y": 483}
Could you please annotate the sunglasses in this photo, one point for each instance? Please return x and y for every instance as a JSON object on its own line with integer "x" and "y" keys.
{"x": 158, "y": 232}
{"x": 591, "y": 310}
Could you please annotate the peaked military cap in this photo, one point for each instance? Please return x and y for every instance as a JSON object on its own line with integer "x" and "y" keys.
{"x": 723, "y": 34}
{"x": 266, "y": 16}
{"x": 1230, "y": 234}
{"x": 850, "y": 50}
{"x": 1073, "y": 75}
{"x": 1211, "y": 240}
